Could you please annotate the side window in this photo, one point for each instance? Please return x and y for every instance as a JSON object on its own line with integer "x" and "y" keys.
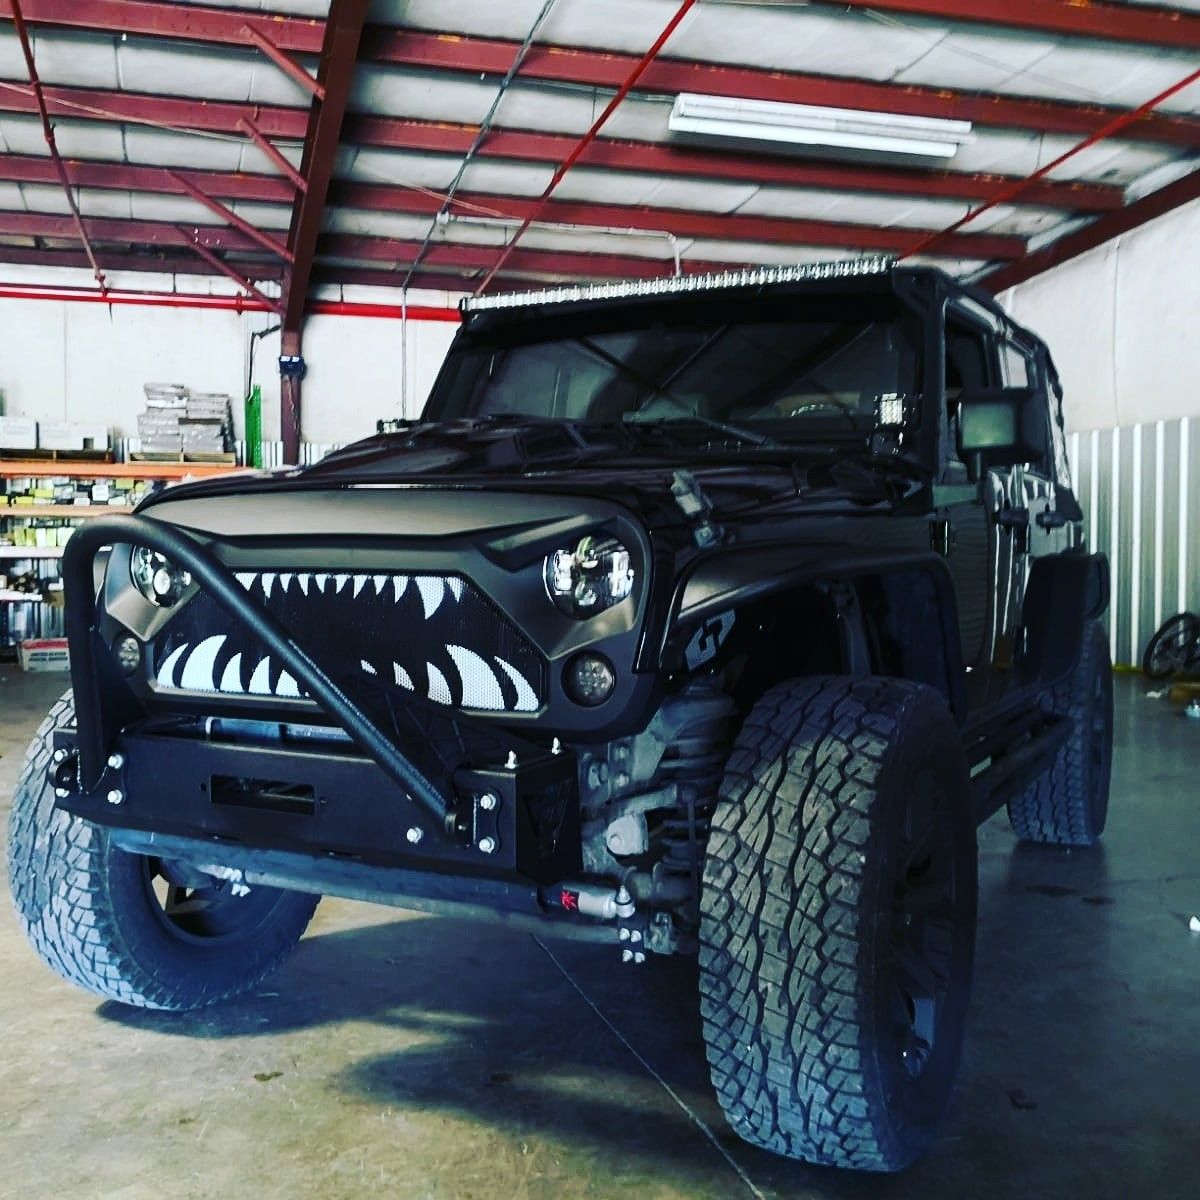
{"x": 1015, "y": 368}
{"x": 969, "y": 367}
{"x": 968, "y": 362}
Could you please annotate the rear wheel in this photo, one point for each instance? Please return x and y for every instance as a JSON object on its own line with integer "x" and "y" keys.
{"x": 1068, "y": 805}
{"x": 838, "y": 922}
{"x": 144, "y": 931}
{"x": 1175, "y": 647}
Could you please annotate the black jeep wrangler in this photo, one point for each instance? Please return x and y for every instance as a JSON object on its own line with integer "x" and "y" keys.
{"x": 699, "y": 616}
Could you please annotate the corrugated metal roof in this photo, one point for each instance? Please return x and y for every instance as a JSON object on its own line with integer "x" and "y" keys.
{"x": 144, "y": 84}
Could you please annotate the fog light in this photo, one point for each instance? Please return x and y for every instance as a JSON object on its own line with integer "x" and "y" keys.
{"x": 590, "y": 679}
{"x": 129, "y": 653}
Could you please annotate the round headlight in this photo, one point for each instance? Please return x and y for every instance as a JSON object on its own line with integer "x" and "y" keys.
{"x": 589, "y": 577}
{"x": 157, "y": 578}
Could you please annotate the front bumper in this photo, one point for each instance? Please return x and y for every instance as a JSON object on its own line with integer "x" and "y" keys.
{"x": 385, "y": 795}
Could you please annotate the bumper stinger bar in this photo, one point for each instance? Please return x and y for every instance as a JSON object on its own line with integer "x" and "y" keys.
{"x": 188, "y": 551}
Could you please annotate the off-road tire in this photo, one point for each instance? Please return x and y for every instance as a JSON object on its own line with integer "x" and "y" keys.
{"x": 1068, "y": 805}
{"x": 88, "y": 909}
{"x": 799, "y": 983}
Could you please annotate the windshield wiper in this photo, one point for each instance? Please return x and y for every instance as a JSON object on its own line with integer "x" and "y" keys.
{"x": 749, "y": 436}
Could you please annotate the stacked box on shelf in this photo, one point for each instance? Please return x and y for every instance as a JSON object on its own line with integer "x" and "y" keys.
{"x": 208, "y": 427}
{"x": 158, "y": 426}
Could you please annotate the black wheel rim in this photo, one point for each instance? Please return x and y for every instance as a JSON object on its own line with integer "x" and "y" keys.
{"x": 924, "y": 924}
{"x": 201, "y": 908}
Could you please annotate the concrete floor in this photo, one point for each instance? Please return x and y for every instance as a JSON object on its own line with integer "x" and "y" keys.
{"x": 414, "y": 1057}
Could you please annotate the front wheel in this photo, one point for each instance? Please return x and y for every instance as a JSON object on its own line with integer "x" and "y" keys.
{"x": 143, "y": 931}
{"x": 837, "y": 926}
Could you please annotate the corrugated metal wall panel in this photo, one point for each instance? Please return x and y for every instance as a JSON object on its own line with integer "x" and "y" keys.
{"x": 1138, "y": 489}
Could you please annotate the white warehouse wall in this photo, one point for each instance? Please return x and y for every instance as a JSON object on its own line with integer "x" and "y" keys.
{"x": 1120, "y": 322}
{"x": 69, "y": 361}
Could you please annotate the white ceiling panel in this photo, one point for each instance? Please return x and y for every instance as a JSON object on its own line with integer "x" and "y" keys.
{"x": 626, "y": 187}
{"x": 365, "y": 165}
{"x": 11, "y": 198}
{"x": 297, "y": 8}
{"x": 261, "y": 216}
{"x": 44, "y": 198}
{"x": 507, "y": 178}
{"x": 84, "y": 60}
{"x": 146, "y": 146}
{"x": 375, "y": 224}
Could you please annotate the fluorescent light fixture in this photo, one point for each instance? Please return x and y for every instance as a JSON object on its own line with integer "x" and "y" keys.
{"x": 810, "y": 125}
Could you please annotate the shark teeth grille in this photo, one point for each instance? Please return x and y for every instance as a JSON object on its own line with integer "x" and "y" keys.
{"x": 432, "y": 635}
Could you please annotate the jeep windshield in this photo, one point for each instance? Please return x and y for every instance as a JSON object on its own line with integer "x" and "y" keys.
{"x": 758, "y": 368}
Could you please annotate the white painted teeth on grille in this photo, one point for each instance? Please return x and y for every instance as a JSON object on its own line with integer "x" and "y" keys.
{"x": 432, "y": 588}
{"x": 439, "y": 689}
{"x": 200, "y": 675}
{"x": 231, "y": 679}
{"x": 198, "y": 669}
{"x": 481, "y": 688}
{"x": 482, "y": 682}
{"x": 526, "y": 696}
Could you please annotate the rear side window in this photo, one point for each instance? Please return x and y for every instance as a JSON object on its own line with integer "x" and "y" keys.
{"x": 1015, "y": 366}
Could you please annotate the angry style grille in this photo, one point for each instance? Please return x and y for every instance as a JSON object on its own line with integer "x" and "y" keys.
{"x": 433, "y": 635}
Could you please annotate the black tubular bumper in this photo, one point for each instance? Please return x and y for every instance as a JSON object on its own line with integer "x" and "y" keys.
{"x": 97, "y": 722}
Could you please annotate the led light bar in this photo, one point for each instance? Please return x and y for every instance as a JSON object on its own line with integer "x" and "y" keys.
{"x": 812, "y": 125}
{"x": 670, "y": 284}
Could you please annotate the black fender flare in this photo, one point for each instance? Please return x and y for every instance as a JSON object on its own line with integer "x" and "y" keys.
{"x": 732, "y": 577}
{"x": 1064, "y": 592}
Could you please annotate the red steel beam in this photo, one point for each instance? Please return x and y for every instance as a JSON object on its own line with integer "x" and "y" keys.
{"x": 159, "y": 262}
{"x": 339, "y": 57}
{"x": 396, "y": 133}
{"x": 372, "y": 197}
{"x": 265, "y": 240}
{"x": 163, "y": 263}
{"x": 157, "y": 112}
{"x": 459, "y": 272}
{"x": 733, "y": 227}
{"x": 273, "y": 153}
{"x": 597, "y": 68}
{"x": 669, "y": 76}
{"x": 186, "y": 22}
{"x": 1138, "y": 24}
{"x": 577, "y": 151}
{"x": 292, "y": 69}
{"x": 661, "y": 158}
{"x": 466, "y": 256}
{"x": 1102, "y": 230}
{"x": 109, "y": 176}
{"x": 125, "y": 232}
{"x": 1113, "y": 128}
{"x": 1144, "y": 25}
{"x": 219, "y": 264}
{"x": 48, "y": 133}
{"x": 323, "y": 136}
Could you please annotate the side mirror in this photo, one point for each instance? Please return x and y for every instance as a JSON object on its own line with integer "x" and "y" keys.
{"x": 1001, "y": 427}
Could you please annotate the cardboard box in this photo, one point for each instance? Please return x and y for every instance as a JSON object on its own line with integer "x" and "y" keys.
{"x": 44, "y": 654}
{"x": 18, "y": 433}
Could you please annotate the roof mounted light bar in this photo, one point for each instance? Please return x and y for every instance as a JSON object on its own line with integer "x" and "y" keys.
{"x": 670, "y": 284}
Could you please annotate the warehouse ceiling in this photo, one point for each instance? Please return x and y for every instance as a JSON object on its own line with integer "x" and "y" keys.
{"x": 469, "y": 145}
